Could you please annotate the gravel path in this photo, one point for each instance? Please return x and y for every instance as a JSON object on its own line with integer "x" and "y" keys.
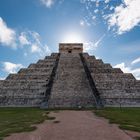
{"x": 74, "y": 125}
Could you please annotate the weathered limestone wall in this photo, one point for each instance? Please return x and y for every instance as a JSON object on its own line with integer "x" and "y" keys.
{"x": 71, "y": 87}
{"x": 70, "y": 48}
{"x": 28, "y": 86}
{"x": 115, "y": 87}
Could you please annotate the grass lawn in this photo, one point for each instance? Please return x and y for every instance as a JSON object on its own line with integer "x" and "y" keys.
{"x": 20, "y": 119}
{"x": 127, "y": 118}
{"x": 14, "y": 120}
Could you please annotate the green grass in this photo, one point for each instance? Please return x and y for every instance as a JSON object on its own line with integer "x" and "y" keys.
{"x": 14, "y": 120}
{"x": 127, "y": 118}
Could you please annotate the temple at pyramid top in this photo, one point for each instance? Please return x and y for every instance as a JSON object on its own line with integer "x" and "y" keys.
{"x": 70, "y": 47}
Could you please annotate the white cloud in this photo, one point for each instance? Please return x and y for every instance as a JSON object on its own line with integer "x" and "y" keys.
{"x": 23, "y": 39}
{"x": 2, "y": 78}
{"x": 93, "y": 17}
{"x": 98, "y": 41}
{"x": 35, "y": 48}
{"x": 96, "y": 11}
{"x": 33, "y": 41}
{"x": 11, "y": 67}
{"x": 7, "y": 35}
{"x": 82, "y": 22}
{"x": 125, "y": 17}
{"x": 111, "y": 8}
{"x": 91, "y": 46}
{"x": 136, "y": 61}
{"x": 46, "y": 50}
{"x": 47, "y": 3}
{"x": 107, "y": 1}
{"x": 97, "y": 3}
{"x": 125, "y": 69}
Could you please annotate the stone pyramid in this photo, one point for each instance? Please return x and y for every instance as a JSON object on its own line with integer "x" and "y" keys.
{"x": 69, "y": 78}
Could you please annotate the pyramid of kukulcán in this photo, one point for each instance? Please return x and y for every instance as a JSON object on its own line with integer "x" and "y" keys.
{"x": 70, "y": 78}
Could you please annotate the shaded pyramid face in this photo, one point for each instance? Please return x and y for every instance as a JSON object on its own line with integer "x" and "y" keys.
{"x": 70, "y": 78}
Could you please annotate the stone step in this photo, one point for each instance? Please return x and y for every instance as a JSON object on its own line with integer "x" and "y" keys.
{"x": 104, "y": 66}
{"x": 25, "y": 82}
{"x": 24, "y": 86}
{"x": 35, "y": 73}
{"x": 41, "y": 65}
{"x": 20, "y": 101}
{"x": 117, "y": 85}
{"x": 40, "y": 61}
{"x": 101, "y": 70}
{"x": 118, "y": 94}
{"x": 71, "y": 102}
{"x": 95, "y": 62}
{"x": 1, "y": 82}
{"x": 54, "y": 55}
{"x": 45, "y": 65}
{"x": 112, "y": 76}
{"x": 123, "y": 95}
{"x": 86, "y": 55}
{"x": 123, "y": 81}
{"x": 22, "y": 92}
{"x": 122, "y": 102}
{"x": 7, "y": 81}
{"x": 89, "y": 59}
{"x": 138, "y": 83}
{"x": 72, "y": 93}
{"x": 24, "y": 95}
{"x": 18, "y": 76}
{"x": 30, "y": 70}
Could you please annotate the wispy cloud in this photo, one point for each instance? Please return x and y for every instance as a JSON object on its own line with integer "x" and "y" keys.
{"x": 136, "y": 61}
{"x": 31, "y": 39}
{"x": 47, "y": 3}
{"x": 10, "y": 67}
{"x": 7, "y": 35}
{"x": 91, "y": 46}
{"x": 125, "y": 16}
{"x": 23, "y": 39}
{"x": 35, "y": 48}
{"x": 107, "y": 1}
{"x": 120, "y": 18}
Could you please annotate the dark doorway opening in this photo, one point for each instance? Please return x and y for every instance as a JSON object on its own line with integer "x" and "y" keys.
{"x": 69, "y": 51}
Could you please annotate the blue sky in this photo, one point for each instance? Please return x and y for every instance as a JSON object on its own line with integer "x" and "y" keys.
{"x": 32, "y": 29}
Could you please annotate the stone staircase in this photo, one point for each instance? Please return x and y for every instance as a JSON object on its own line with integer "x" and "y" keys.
{"x": 115, "y": 87}
{"x": 65, "y": 80}
{"x": 71, "y": 87}
{"x": 28, "y": 86}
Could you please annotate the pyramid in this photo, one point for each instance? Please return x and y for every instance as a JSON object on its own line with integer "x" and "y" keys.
{"x": 70, "y": 78}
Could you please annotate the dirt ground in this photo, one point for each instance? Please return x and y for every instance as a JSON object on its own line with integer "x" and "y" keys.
{"x": 74, "y": 125}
